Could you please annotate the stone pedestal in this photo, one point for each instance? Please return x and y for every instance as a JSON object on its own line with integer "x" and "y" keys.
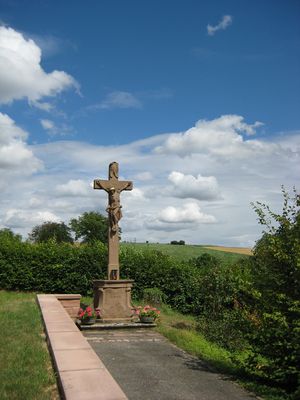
{"x": 113, "y": 297}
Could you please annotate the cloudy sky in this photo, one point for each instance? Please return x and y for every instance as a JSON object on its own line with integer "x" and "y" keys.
{"x": 197, "y": 101}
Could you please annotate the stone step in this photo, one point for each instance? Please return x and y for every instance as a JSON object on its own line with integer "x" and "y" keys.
{"x": 98, "y": 325}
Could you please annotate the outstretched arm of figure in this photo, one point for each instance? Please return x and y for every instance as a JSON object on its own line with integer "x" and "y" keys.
{"x": 100, "y": 184}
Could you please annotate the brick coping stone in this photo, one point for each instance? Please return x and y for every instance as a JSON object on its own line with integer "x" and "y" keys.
{"x": 81, "y": 374}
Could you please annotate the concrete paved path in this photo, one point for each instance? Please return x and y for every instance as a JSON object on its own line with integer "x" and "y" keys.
{"x": 148, "y": 367}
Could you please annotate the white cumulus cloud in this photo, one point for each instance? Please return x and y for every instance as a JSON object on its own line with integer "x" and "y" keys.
{"x": 74, "y": 187}
{"x": 188, "y": 213}
{"x": 21, "y": 73}
{"x": 225, "y": 22}
{"x": 15, "y": 154}
{"x": 18, "y": 218}
{"x": 221, "y": 136}
{"x": 188, "y": 186}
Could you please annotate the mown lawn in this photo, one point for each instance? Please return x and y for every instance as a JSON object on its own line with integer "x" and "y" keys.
{"x": 184, "y": 253}
{"x": 26, "y": 371}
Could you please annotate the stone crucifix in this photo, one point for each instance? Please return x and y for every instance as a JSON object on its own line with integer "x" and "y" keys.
{"x": 113, "y": 187}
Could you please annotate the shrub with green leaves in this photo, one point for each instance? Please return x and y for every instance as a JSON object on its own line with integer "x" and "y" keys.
{"x": 276, "y": 277}
{"x": 154, "y": 296}
{"x": 226, "y": 297}
{"x": 51, "y": 267}
{"x": 205, "y": 260}
{"x": 179, "y": 282}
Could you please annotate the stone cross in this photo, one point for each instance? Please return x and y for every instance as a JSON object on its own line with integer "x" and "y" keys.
{"x": 113, "y": 187}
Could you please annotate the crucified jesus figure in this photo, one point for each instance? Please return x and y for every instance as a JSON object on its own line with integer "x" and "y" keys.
{"x": 114, "y": 209}
{"x": 113, "y": 187}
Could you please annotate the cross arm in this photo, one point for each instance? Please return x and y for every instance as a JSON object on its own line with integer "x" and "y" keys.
{"x": 125, "y": 185}
{"x": 102, "y": 184}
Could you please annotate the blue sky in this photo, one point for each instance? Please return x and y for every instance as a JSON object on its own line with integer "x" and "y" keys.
{"x": 132, "y": 80}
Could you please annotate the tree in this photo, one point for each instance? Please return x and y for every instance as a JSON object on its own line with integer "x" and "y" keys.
{"x": 8, "y": 234}
{"x": 276, "y": 280}
{"x": 90, "y": 226}
{"x": 180, "y": 242}
{"x": 58, "y": 231}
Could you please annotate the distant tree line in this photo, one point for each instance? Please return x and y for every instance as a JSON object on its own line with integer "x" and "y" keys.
{"x": 179, "y": 242}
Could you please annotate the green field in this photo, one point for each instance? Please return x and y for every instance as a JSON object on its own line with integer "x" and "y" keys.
{"x": 186, "y": 252}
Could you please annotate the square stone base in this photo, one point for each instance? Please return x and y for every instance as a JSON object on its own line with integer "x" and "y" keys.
{"x": 113, "y": 297}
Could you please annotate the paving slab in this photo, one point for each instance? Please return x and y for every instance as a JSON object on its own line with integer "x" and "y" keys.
{"x": 77, "y": 360}
{"x": 67, "y": 341}
{"x": 95, "y": 384}
{"x": 147, "y": 366}
{"x": 61, "y": 326}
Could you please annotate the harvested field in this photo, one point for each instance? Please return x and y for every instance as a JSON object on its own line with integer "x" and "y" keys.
{"x": 238, "y": 250}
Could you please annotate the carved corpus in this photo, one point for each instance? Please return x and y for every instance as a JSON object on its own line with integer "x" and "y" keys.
{"x": 113, "y": 187}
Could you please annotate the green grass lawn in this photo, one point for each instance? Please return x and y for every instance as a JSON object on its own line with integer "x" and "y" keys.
{"x": 25, "y": 367}
{"x": 185, "y": 252}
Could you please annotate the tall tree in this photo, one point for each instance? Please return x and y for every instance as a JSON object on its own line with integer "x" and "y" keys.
{"x": 277, "y": 284}
{"x": 90, "y": 226}
{"x": 7, "y": 233}
{"x": 51, "y": 230}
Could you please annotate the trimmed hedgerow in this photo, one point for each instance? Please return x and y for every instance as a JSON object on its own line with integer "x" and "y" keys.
{"x": 64, "y": 268}
{"x": 50, "y": 267}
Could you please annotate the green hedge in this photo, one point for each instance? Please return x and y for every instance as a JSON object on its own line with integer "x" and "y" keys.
{"x": 64, "y": 268}
{"x": 180, "y": 283}
{"x": 50, "y": 267}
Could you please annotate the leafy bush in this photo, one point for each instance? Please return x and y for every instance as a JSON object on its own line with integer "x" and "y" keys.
{"x": 50, "y": 267}
{"x": 226, "y": 297}
{"x": 276, "y": 277}
{"x": 255, "y": 304}
{"x": 7, "y": 234}
{"x": 154, "y": 296}
{"x": 205, "y": 260}
{"x": 180, "y": 283}
{"x": 226, "y": 329}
